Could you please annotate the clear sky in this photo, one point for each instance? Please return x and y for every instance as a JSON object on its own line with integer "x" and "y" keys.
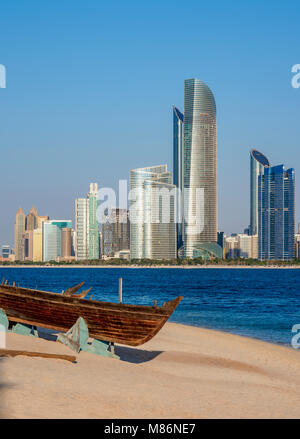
{"x": 91, "y": 84}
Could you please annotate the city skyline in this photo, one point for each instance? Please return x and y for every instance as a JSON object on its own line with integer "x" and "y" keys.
{"x": 73, "y": 96}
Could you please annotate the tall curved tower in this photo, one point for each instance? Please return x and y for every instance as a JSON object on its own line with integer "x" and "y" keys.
{"x": 258, "y": 163}
{"x": 200, "y": 170}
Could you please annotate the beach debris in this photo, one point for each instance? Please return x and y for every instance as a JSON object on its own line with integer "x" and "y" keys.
{"x": 72, "y": 290}
{"x": 77, "y": 339}
{"x": 14, "y": 353}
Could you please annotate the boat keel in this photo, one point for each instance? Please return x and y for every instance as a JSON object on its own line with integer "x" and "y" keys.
{"x": 77, "y": 339}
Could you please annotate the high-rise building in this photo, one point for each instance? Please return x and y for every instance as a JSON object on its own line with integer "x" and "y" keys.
{"x": 66, "y": 242}
{"x": 19, "y": 230}
{"x": 27, "y": 245}
{"x": 152, "y": 214}
{"x": 116, "y": 232}
{"x": 32, "y": 219}
{"x": 276, "y": 213}
{"x": 93, "y": 225}
{"x": 38, "y": 244}
{"x": 87, "y": 226}
{"x": 52, "y": 238}
{"x": 258, "y": 163}
{"x": 178, "y": 130}
{"x": 200, "y": 171}
{"x": 81, "y": 228}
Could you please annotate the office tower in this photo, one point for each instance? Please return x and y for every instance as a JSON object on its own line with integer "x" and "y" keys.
{"x": 87, "y": 226}
{"x": 116, "y": 232}
{"x": 19, "y": 230}
{"x": 27, "y": 245}
{"x": 38, "y": 244}
{"x": 32, "y": 219}
{"x": 200, "y": 171}
{"x": 81, "y": 228}
{"x": 258, "y": 163}
{"x": 93, "y": 225}
{"x": 52, "y": 238}
{"x": 297, "y": 245}
{"x": 276, "y": 213}
{"x": 152, "y": 213}
{"x": 40, "y": 220}
{"x": 66, "y": 242}
{"x": 178, "y": 129}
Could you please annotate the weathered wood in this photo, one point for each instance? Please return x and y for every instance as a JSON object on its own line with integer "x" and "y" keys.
{"x": 14, "y": 353}
{"x": 131, "y": 325}
{"x": 73, "y": 290}
{"x": 83, "y": 294}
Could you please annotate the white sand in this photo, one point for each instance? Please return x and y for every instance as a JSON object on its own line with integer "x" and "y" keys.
{"x": 184, "y": 372}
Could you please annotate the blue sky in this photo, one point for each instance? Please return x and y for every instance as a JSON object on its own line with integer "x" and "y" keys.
{"x": 91, "y": 84}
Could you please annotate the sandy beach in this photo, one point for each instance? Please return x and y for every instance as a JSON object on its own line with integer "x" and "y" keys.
{"x": 184, "y": 372}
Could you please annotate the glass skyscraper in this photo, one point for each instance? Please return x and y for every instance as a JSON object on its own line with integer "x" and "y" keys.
{"x": 87, "y": 225}
{"x": 52, "y": 238}
{"x": 152, "y": 196}
{"x": 178, "y": 129}
{"x": 200, "y": 171}
{"x": 276, "y": 213}
{"x": 258, "y": 163}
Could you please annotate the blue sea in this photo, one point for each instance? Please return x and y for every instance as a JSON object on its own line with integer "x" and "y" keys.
{"x": 258, "y": 303}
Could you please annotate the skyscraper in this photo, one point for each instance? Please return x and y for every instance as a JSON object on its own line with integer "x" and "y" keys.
{"x": 19, "y": 230}
{"x": 81, "y": 228}
{"x": 200, "y": 171}
{"x": 93, "y": 225}
{"x": 258, "y": 163}
{"x": 152, "y": 213}
{"x": 178, "y": 129}
{"x": 52, "y": 238}
{"x": 116, "y": 232}
{"x": 87, "y": 226}
{"x": 32, "y": 219}
{"x": 276, "y": 213}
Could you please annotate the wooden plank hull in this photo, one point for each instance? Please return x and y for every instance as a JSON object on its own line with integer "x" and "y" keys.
{"x": 131, "y": 325}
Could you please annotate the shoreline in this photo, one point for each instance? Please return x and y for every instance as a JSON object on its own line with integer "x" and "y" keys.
{"x": 183, "y": 372}
{"x": 158, "y": 266}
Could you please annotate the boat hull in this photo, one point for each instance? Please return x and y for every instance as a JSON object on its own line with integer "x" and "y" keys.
{"x": 119, "y": 323}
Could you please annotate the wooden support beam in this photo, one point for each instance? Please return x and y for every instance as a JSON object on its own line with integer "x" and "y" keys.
{"x": 14, "y": 353}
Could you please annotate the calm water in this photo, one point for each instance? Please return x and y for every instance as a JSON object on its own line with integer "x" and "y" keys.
{"x": 260, "y": 303}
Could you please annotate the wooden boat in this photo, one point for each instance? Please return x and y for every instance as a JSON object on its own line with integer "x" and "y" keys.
{"x": 131, "y": 325}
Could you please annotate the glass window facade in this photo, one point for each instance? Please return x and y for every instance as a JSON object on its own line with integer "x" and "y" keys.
{"x": 276, "y": 213}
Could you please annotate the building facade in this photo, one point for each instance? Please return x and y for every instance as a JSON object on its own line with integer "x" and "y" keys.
{"x": 52, "y": 238}
{"x": 87, "y": 226}
{"x": 116, "y": 232}
{"x": 178, "y": 132}
{"x": 200, "y": 171}
{"x": 276, "y": 213}
{"x": 258, "y": 163}
{"x": 93, "y": 225}
{"x": 19, "y": 231}
{"x": 152, "y": 214}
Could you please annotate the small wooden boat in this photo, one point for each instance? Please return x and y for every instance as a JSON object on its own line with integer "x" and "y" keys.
{"x": 131, "y": 325}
